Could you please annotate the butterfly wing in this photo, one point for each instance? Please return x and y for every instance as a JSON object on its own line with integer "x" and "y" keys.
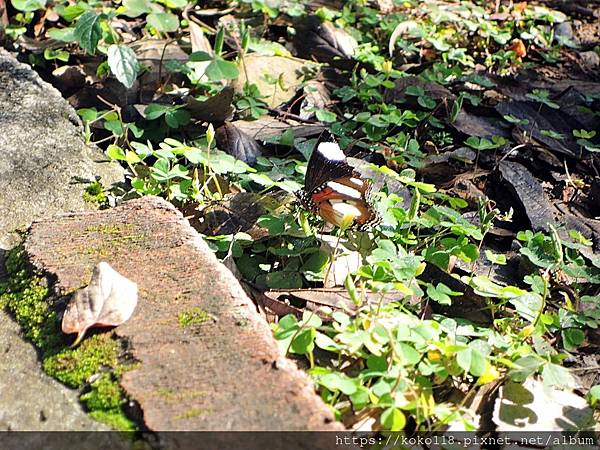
{"x": 326, "y": 163}
{"x": 334, "y": 187}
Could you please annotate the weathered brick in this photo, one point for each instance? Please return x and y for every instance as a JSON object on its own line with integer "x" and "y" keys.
{"x": 215, "y": 375}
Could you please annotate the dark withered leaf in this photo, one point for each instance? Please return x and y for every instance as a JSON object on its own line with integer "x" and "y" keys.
{"x": 551, "y": 127}
{"x": 236, "y": 212}
{"x": 433, "y": 90}
{"x": 238, "y": 144}
{"x": 322, "y": 41}
{"x": 214, "y": 109}
{"x": 480, "y": 126}
{"x": 529, "y": 192}
{"x": 470, "y": 306}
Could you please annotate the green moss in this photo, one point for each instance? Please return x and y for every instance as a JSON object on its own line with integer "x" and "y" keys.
{"x": 105, "y": 394}
{"x": 193, "y": 317}
{"x": 190, "y": 414}
{"x": 94, "y": 193}
{"x": 73, "y": 366}
{"x": 110, "y": 228}
{"x": 114, "y": 419}
{"x": 26, "y": 296}
{"x": 172, "y": 396}
{"x": 117, "y": 235}
{"x": 105, "y": 402}
{"x": 104, "y": 229}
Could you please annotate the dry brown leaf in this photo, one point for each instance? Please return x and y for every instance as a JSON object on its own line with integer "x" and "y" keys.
{"x": 518, "y": 47}
{"x": 402, "y": 29}
{"x": 267, "y": 127}
{"x": 3, "y": 14}
{"x": 234, "y": 141}
{"x": 214, "y": 109}
{"x": 335, "y": 298}
{"x": 109, "y": 300}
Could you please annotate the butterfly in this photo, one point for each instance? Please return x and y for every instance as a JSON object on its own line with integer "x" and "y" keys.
{"x": 335, "y": 189}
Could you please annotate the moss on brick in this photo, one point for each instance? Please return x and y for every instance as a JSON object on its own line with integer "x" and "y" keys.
{"x": 193, "y": 317}
{"x": 190, "y": 414}
{"x": 74, "y": 366}
{"x": 27, "y": 297}
{"x": 105, "y": 401}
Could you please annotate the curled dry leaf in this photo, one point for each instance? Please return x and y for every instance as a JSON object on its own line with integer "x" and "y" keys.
{"x": 402, "y": 29}
{"x": 3, "y": 14}
{"x": 293, "y": 301}
{"x": 109, "y": 300}
{"x": 200, "y": 43}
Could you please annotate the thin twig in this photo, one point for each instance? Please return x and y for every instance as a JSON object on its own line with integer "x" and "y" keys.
{"x": 289, "y": 115}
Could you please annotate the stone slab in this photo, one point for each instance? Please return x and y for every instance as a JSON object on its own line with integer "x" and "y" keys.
{"x": 29, "y": 399}
{"x": 45, "y": 164}
{"x": 225, "y": 373}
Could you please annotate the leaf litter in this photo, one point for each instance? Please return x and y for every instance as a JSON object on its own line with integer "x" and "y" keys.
{"x": 108, "y": 301}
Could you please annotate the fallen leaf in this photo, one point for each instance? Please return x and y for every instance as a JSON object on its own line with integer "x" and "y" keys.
{"x": 528, "y": 191}
{"x": 520, "y": 7}
{"x": 336, "y": 298}
{"x": 480, "y": 126}
{"x": 435, "y": 91}
{"x": 316, "y": 96}
{"x": 155, "y": 55}
{"x": 238, "y": 144}
{"x": 551, "y": 127}
{"x": 109, "y": 300}
{"x": 347, "y": 259}
{"x": 268, "y": 127}
{"x": 402, "y": 29}
{"x": 38, "y": 46}
{"x": 469, "y": 305}
{"x": 69, "y": 79}
{"x": 200, "y": 43}
{"x": 3, "y": 14}
{"x": 518, "y": 47}
{"x": 532, "y": 405}
{"x": 324, "y": 42}
{"x": 276, "y": 77}
{"x": 236, "y": 212}
{"x": 214, "y": 109}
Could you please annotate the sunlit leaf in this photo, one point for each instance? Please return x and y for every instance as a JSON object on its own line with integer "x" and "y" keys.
{"x": 123, "y": 64}
{"x": 88, "y": 31}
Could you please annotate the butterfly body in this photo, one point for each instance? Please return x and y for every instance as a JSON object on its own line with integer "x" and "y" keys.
{"x": 334, "y": 188}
